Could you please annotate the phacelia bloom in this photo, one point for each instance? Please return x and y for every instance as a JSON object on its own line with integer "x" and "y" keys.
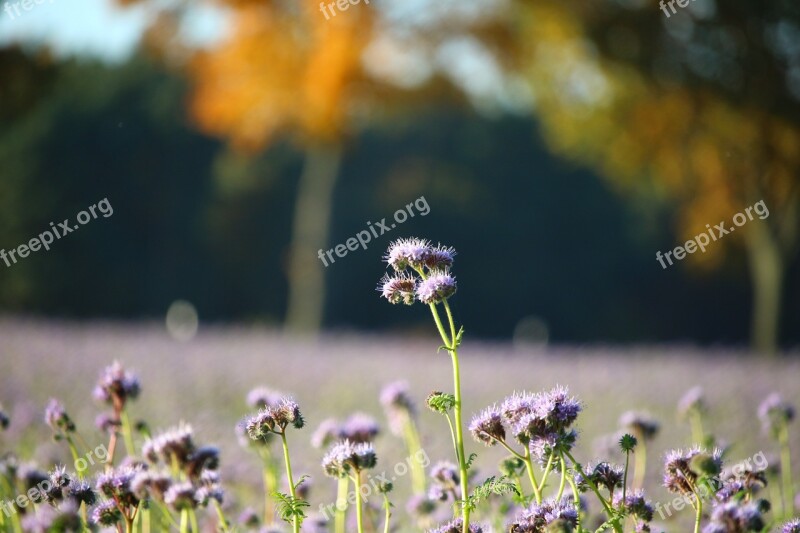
{"x": 774, "y": 412}
{"x": 106, "y": 514}
{"x": 359, "y": 427}
{"x": 439, "y": 258}
{"x": 47, "y": 519}
{"x": 346, "y": 456}
{"x": 398, "y": 288}
{"x": 439, "y": 286}
{"x": 693, "y": 401}
{"x": 456, "y": 526}
{"x": 263, "y": 397}
{"x": 405, "y": 253}
{"x": 635, "y": 504}
{"x": 107, "y": 423}
{"x": 117, "y": 484}
{"x": 792, "y": 526}
{"x": 398, "y": 405}
{"x": 642, "y": 425}
{"x": 446, "y": 474}
{"x": 175, "y": 443}
{"x": 207, "y": 493}
{"x": 151, "y": 484}
{"x": 249, "y": 518}
{"x": 542, "y": 414}
{"x": 57, "y": 418}
{"x": 546, "y": 517}
{"x": 31, "y": 476}
{"x": 59, "y": 481}
{"x": 201, "y": 460}
{"x": 735, "y": 517}
{"x": 487, "y": 426}
{"x": 680, "y": 468}
{"x": 181, "y": 496}
{"x": 116, "y": 386}
{"x": 420, "y": 506}
{"x": 326, "y": 433}
{"x": 602, "y": 475}
{"x": 81, "y": 492}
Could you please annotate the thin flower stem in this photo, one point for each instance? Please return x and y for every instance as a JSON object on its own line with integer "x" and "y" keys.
{"x": 388, "y": 513}
{"x": 640, "y": 464}
{"x": 193, "y": 521}
{"x": 127, "y": 433}
{"x": 576, "y": 500}
{"x": 452, "y": 323}
{"x": 786, "y": 469}
{"x": 223, "y": 522}
{"x": 184, "y": 521}
{"x": 415, "y": 447}
{"x": 359, "y": 503}
{"x": 547, "y": 469}
{"x": 529, "y": 468}
{"x": 341, "y": 505}
{"x": 292, "y": 491}
{"x": 625, "y": 475}
{"x": 439, "y": 325}
{"x": 699, "y": 514}
{"x": 591, "y": 484}
{"x": 696, "y": 421}
{"x": 563, "y": 476}
{"x": 452, "y": 431}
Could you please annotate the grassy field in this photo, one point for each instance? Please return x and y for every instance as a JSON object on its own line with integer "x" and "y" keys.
{"x": 204, "y": 382}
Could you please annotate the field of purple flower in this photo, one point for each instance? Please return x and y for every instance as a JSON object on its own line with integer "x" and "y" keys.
{"x": 205, "y": 383}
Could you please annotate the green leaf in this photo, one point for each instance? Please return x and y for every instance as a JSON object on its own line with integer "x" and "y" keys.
{"x": 441, "y": 402}
{"x": 492, "y": 486}
{"x": 470, "y": 459}
{"x": 289, "y": 508}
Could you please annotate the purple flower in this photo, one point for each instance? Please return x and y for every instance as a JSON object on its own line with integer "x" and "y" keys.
{"x": 602, "y": 475}
{"x": 547, "y": 515}
{"x": 445, "y": 474}
{"x": 57, "y": 418}
{"x": 106, "y": 514}
{"x": 154, "y": 484}
{"x": 643, "y": 426}
{"x": 546, "y": 415}
{"x": 262, "y": 397}
{"x": 683, "y": 468}
{"x": 181, "y": 496}
{"x": 792, "y": 526}
{"x": 81, "y": 492}
{"x": 456, "y": 526}
{"x": 487, "y": 426}
{"x": 635, "y": 504}
{"x": 420, "y": 506}
{"x": 346, "y": 456}
{"x": 116, "y": 386}
{"x": 398, "y": 288}
{"x": 176, "y": 443}
{"x": 693, "y": 401}
{"x": 359, "y": 427}
{"x": 404, "y": 253}
{"x": 439, "y": 258}
{"x": 398, "y": 405}
{"x": 439, "y": 286}
{"x": 107, "y": 423}
{"x": 774, "y": 413}
{"x": 735, "y": 517}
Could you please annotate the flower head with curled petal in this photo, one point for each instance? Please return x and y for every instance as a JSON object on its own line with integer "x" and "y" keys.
{"x": 487, "y": 426}
{"x": 398, "y": 288}
{"x": 439, "y": 258}
{"x": 117, "y": 385}
{"x": 437, "y": 287}
{"x": 792, "y": 526}
{"x": 405, "y": 253}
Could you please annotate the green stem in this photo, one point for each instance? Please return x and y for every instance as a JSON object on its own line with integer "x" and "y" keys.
{"x": 295, "y": 518}
{"x": 388, "y": 513}
{"x": 547, "y": 469}
{"x": 341, "y": 505}
{"x": 127, "y": 433}
{"x": 696, "y": 421}
{"x": 359, "y": 504}
{"x": 625, "y": 475}
{"x": 529, "y": 468}
{"x": 184, "y": 521}
{"x": 223, "y": 522}
{"x": 591, "y": 484}
{"x": 786, "y": 470}
{"x": 269, "y": 487}
{"x": 699, "y": 514}
{"x": 576, "y": 500}
{"x": 193, "y": 521}
{"x": 563, "y": 477}
{"x": 414, "y": 448}
{"x": 640, "y": 464}
{"x": 73, "y": 450}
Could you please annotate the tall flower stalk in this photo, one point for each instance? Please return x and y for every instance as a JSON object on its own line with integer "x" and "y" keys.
{"x": 422, "y": 273}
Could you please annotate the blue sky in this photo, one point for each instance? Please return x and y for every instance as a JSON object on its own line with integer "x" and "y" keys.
{"x": 92, "y": 27}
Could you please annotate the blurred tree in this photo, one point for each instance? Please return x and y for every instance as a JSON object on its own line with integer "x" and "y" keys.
{"x": 700, "y": 109}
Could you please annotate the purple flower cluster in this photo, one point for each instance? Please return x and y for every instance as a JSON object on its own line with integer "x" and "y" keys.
{"x": 275, "y": 419}
{"x": 603, "y": 475}
{"x": 547, "y": 516}
{"x": 55, "y": 415}
{"x": 357, "y": 428}
{"x": 540, "y": 421}
{"x": 635, "y": 504}
{"x": 398, "y": 405}
{"x": 116, "y": 386}
{"x": 735, "y": 517}
{"x": 682, "y": 469}
{"x": 792, "y": 526}
{"x": 774, "y": 413}
{"x": 422, "y": 272}
{"x": 346, "y": 456}
{"x": 456, "y": 526}
{"x": 445, "y": 479}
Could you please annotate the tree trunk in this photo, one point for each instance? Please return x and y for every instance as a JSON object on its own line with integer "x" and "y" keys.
{"x": 767, "y": 277}
{"x": 312, "y": 214}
